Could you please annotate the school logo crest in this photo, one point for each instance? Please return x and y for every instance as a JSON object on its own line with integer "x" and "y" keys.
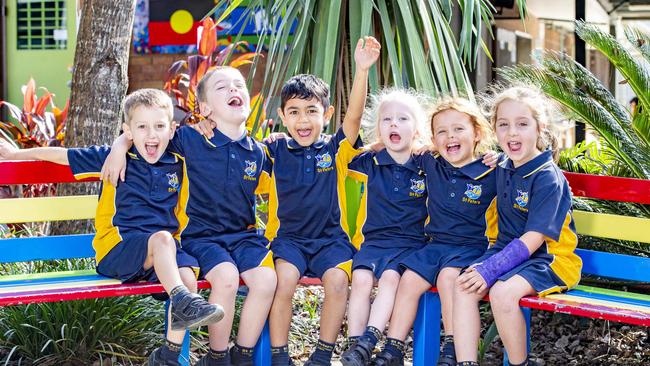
{"x": 473, "y": 192}
{"x": 172, "y": 180}
{"x": 324, "y": 160}
{"x": 417, "y": 186}
{"x": 251, "y": 168}
{"x": 522, "y": 198}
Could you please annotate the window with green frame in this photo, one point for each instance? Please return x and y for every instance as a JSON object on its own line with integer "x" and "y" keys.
{"x": 41, "y": 25}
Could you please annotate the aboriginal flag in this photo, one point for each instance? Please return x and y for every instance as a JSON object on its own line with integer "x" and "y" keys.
{"x": 173, "y": 22}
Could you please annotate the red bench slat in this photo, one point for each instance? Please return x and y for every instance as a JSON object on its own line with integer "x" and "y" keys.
{"x": 36, "y": 172}
{"x": 609, "y": 188}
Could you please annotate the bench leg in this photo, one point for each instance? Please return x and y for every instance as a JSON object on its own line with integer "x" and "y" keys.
{"x": 426, "y": 330}
{"x": 262, "y": 351}
{"x": 184, "y": 358}
{"x": 526, "y": 312}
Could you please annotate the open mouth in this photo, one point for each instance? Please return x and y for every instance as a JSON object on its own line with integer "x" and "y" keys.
{"x": 304, "y": 132}
{"x": 151, "y": 148}
{"x": 453, "y": 148}
{"x": 235, "y": 101}
{"x": 394, "y": 137}
{"x": 514, "y": 146}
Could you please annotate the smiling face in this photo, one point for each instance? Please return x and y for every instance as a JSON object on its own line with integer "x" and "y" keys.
{"x": 455, "y": 136}
{"x": 304, "y": 119}
{"x": 225, "y": 98}
{"x": 150, "y": 130}
{"x": 517, "y": 131}
{"x": 397, "y": 126}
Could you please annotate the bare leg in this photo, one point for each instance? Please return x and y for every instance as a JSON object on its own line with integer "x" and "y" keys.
{"x": 410, "y": 288}
{"x": 466, "y": 323}
{"x": 224, "y": 279}
{"x": 282, "y": 308}
{"x": 445, "y": 283}
{"x": 382, "y": 307}
{"x": 161, "y": 254}
{"x": 359, "y": 308}
{"x": 261, "y": 282}
{"x": 504, "y": 300}
{"x": 335, "y": 282}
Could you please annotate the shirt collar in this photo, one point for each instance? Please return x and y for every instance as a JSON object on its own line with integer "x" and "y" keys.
{"x": 322, "y": 140}
{"x": 475, "y": 170}
{"x": 165, "y": 158}
{"x": 220, "y": 140}
{"x": 384, "y": 158}
{"x": 536, "y": 164}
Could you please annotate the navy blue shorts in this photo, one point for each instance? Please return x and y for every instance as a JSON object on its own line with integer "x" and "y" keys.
{"x": 433, "y": 257}
{"x": 125, "y": 261}
{"x": 536, "y": 270}
{"x": 379, "y": 258}
{"x": 315, "y": 260}
{"x": 246, "y": 250}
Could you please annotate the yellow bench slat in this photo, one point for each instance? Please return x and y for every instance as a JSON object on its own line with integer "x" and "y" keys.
{"x": 612, "y": 226}
{"x": 14, "y": 210}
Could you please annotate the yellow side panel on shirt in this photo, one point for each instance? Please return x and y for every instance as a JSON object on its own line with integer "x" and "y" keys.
{"x": 566, "y": 263}
{"x": 344, "y": 156}
{"x": 492, "y": 222}
{"x": 107, "y": 235}
{"x": 362, "y": 213}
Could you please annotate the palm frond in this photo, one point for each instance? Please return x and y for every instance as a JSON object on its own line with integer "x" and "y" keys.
{"x": 632, "y": 70}
{"x": 639, "y": 40}
{"x": 641, "y": 124}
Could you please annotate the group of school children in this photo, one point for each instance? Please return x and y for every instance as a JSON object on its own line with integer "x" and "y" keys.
{"x": 179, "y": 204}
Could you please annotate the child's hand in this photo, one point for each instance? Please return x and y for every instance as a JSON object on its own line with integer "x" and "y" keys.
{"x": 205, "y": 127}
{"x": 272, "y": 137}
{"x": 7, "y": 150}
{"x": 114, "y": 168}
{"x": 471, "y": 281}
{"x": 366, "y": 54}
{"x": 376, "y": 146}
{"x": 490, "y": 158}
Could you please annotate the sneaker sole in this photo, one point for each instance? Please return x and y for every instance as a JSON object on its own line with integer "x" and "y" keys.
{"x": 216, "y": 316}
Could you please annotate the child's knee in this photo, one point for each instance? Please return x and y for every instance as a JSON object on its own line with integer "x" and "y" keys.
{"x": 362, "y": 281}
{"x": 336, "y": 283}
{"x": 162, "y": 240}
{"x": 447, "y": 278}
{"x": 224, "y": 278}
{"x": 502, "y": 300}
{"x": 264, "y": 282}
{"x": 390, "y": 279}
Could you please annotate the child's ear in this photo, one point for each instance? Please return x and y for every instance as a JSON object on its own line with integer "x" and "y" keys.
{"x": 172, "y": 129}
{"x": 281, "y": 115}
{"x": 205, "y": 109}
{"x": 127, "y": 131}
{"x": 327, "y": 115}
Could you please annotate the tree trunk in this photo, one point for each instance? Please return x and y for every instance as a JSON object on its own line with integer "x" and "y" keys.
{"x": 99, "y": 84}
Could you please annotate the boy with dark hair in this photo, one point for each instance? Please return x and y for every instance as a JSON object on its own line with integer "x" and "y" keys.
{"x": 137, "y": 221}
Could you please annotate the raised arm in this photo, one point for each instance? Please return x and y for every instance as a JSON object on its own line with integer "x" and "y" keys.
{"x": 57, "y": 155}
{"x": 114, "y": 167}
{"x": 365, "y": 56}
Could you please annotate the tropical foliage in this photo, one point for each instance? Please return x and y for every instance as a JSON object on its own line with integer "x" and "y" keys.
{"x": 419, "y": 49}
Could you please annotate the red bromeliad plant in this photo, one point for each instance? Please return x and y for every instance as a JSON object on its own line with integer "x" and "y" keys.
{"x": 184, "y": 75}
{"x": 33, "y": 126}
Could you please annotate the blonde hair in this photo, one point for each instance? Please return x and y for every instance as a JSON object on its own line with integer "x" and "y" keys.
{"x": 148, "y": 98}
{"x": 540, "y": 108}
{"x": 479, "y": 122}
{"x": 201, "y": 93}
{"x": 417, "y": 103}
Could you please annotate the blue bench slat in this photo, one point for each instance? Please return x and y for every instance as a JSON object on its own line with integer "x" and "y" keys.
{"x": 46, "y": 248}
{"x": 619, "y": 266}
{"x": 54, "y": 280}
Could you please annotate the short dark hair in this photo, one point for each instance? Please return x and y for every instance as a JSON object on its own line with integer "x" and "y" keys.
{"x": 305, "y": 86}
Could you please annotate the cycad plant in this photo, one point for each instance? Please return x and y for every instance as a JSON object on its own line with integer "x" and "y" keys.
{"x": 625, "y": 135}
{"x": 419, "y": 49}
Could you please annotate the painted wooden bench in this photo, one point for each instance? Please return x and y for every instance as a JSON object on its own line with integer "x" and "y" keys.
{"x": 585, "y": 301}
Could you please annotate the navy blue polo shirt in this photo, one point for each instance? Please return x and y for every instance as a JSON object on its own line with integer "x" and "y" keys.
{"x": 145, "y": 202}
{"x": 536, "y": 197}
{"x": 461, "y": 205}
{"x": 393, "y": 204}
{"x": 223, "y": 177}
{"x": 307, "y": 188}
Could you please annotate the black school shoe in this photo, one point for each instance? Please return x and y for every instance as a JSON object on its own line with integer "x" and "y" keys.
{"x": 358, "y": 354}
{"x": 192, "y": 311}
{"x": 156, "y": 359}
{"x": 447, "y": 354}
{"x": 384, "y": 358}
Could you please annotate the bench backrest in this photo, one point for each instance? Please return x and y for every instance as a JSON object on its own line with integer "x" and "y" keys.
{"x": 17, "y": 210}
{"x": 618, "y": 266}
